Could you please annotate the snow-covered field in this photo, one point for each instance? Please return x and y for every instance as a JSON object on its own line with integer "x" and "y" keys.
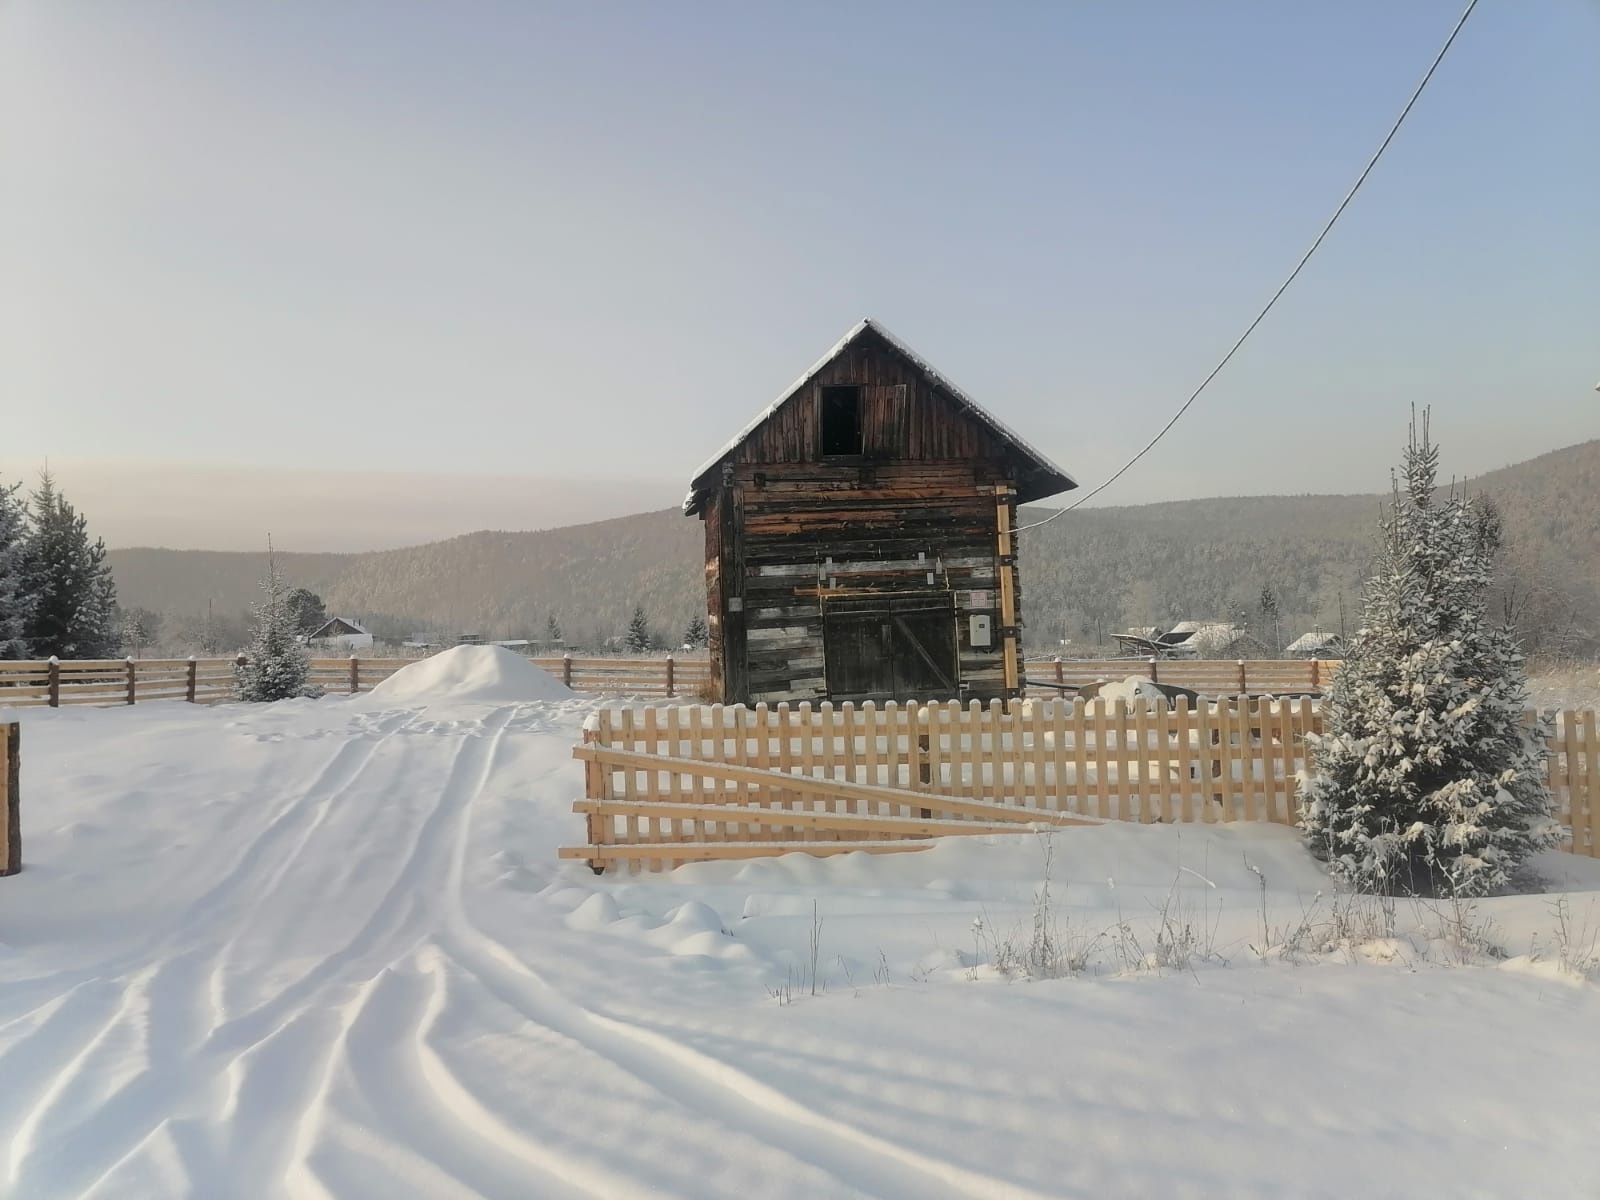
{"x": 325, "y": 949}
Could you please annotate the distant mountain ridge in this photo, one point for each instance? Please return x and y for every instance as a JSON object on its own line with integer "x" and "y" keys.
{"x": 1093, "y": 570}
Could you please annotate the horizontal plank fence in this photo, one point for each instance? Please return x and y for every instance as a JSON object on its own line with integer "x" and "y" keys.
{"x": 1208, "y": 677}
{"x": 210, "y": 680}
{"x": 667, "y": 786}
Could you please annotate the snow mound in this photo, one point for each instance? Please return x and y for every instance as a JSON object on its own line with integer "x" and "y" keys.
{"x": 491, "y": 674}
{"x": 1134, "y": 687}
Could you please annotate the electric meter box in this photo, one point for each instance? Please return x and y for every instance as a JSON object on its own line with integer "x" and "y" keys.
{"x": 981, "y": 629}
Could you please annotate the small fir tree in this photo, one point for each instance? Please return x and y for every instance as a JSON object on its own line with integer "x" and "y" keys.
{"x": 69, "y": 582}
{"x": 1426, "y": 777}
{"x": 695, "y": 634}
{"x": 638, "y": 640}
{"x": 16, "y": 602}
{"x": 276, "y": 666}
{"x": 552, "y": 630}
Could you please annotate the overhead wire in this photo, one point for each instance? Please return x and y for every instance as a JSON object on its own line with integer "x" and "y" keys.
{"x": 1282, "y": 287}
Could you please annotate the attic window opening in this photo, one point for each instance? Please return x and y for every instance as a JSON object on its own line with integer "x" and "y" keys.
{"x": 841, "y": 420}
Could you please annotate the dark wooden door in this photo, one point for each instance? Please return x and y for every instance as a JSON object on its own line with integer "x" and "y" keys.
{"x": 900, "y": 648}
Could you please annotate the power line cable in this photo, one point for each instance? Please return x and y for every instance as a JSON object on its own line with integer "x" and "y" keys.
{"x": 1282, "y": 287}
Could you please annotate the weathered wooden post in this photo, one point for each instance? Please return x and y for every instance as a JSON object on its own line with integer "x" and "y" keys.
{"x": 1243, "y": 683}
{"x": 240, "y": 660}
{"x": 10, "y": 798}
{"x": 53, "y": 681}
{"x": 1153, "y": 676}
{"x": 1316, "y": 683}
{"x": 924, "y": 767}
{"x": 132, "y": 679}
{"x": 355, "y": 674}
{"x": 190, "y": 678}
{"x": 1061, "y": 679}
{"x": 566, "y": 669}
{"x": 669, "y": 675}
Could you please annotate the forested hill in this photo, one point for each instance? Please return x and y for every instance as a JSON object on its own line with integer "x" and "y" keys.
{"x": 1091, "y": 571}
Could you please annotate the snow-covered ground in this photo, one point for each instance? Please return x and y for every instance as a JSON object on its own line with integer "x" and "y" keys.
{"x": 1576, "y": 686}
{"x": 325, "y": 949}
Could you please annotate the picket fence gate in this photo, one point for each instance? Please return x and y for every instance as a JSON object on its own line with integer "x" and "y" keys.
{"x": 671, "y": 785}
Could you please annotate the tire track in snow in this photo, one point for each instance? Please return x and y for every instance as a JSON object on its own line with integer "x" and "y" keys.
{"x": 422, "y": 1104}
{"x": 335, "y": 776}
{"x": 861, "y": 1161}
{"x": 137, "y": 1111}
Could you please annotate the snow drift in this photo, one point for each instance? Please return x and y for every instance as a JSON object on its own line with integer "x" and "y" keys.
{"x": 485, "y": 674}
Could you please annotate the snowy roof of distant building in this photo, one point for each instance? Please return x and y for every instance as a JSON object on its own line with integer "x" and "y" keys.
{"x": 691, "y": 501}
{"x": 1311, "y": 641}
{"x": 349, "y": 628}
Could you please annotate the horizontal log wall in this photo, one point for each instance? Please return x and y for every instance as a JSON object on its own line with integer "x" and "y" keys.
{"x": 812, "y": 531}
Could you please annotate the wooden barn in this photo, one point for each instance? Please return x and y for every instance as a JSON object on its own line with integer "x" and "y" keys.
{"x": 858, "y": 537}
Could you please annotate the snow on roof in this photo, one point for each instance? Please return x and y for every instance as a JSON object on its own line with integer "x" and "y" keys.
{"x": 353, "y": 627}
{"x": 922, "y": 364}
{"x": 1310, "y": 641}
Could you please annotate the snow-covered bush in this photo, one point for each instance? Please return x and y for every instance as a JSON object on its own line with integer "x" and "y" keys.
{"x": 1426, "y": 778}
{"x": 275, "y": 666}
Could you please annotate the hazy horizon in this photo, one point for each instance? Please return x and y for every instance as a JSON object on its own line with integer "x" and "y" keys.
{"x": 356, "y": 511}
{"x": 539, "y": 261}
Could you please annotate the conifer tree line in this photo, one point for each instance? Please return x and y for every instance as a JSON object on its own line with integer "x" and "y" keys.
{"x": 57, "y": 596}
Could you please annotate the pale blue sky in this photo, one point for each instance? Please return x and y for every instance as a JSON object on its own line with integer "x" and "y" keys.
{"x": 592, "y": 239}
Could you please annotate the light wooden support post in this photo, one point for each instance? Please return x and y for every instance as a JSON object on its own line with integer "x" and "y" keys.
{"x": 1006, "y": 561}
{"x": 133, "y": 679}
{"x": 594, "y": 789}
{"x": 190, "y": 679}
{"x": 10, "y": 798}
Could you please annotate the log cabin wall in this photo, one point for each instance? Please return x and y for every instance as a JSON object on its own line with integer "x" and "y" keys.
{"x": 793, "y": 534}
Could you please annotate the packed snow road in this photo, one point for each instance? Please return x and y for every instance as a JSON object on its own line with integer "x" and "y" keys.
{"x": 325, "y": 949}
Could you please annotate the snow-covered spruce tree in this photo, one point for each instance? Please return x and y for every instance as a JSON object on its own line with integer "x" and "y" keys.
{"x": 16, "y": 603}
{"x": 1426, "y": 778}
{"x": 275, "y": 666}
{"x": 73, "y": 596}
{"x": 638, "y": 631}
{"x": 696, "y": 634}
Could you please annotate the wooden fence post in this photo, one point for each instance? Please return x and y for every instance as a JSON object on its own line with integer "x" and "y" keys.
{"x": 355, "y": 674}
{"x": 10, "y": 798}
{"x": 189, "y": 680}
{"x": 1061, "y": 679}
{"x": 594, "y": 789}
{"x": 133, "y": 679}
{"x": 53, "y": 681}
{"x": 240, "y": 659}
{"x": 566, "y": 670}
{"x": 669, "y": 675}
{"x": 1153, "y": 678}
{"x": 1315, "y": 682}
{"x": 1244, "y": 685}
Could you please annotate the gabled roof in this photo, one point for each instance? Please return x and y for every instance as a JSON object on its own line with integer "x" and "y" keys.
{"x": 1049, "y": 471}
{"x": 349, "y": 627}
